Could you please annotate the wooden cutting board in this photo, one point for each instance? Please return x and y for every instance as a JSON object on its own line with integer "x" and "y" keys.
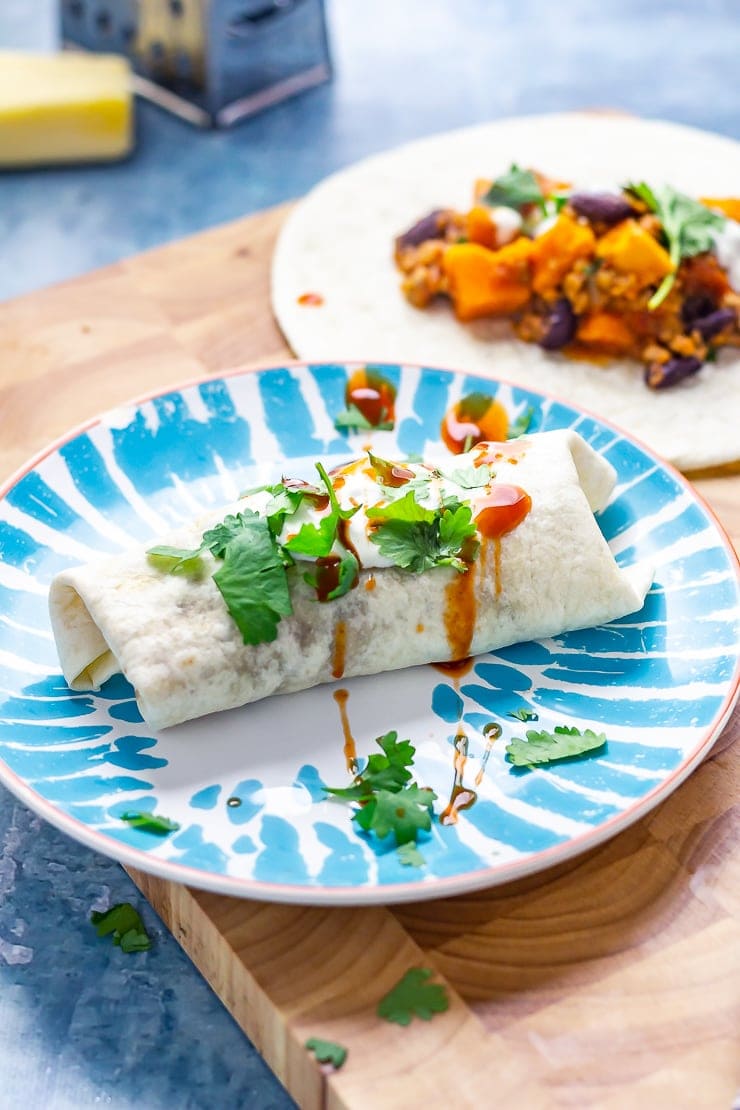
{"x": 611, "y": 982}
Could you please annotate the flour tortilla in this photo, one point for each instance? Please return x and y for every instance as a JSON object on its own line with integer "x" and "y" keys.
{"x": 174, "y": 640}
{"x": 338, "y": 243}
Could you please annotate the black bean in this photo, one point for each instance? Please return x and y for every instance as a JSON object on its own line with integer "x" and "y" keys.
{"x": 428, "y": 227}
{"x": 695, "y": 306}
{"x": 605, "y": 208}
{"x": 560, "y": 325}
{"x": 715, "y": 322}
{"x": 662, "y": 375}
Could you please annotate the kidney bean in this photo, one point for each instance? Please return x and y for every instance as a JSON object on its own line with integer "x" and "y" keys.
{"x": 715, "y": 322}
{"x": 560, "y": 326}
{"x": 695, "y": 306}
{"x": 662, "y": 375}
{"x": 428, "y": 227}
{"x": 605, "y": 208}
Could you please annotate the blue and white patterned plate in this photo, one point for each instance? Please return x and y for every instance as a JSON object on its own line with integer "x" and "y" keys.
{"x": 661, "y": 684}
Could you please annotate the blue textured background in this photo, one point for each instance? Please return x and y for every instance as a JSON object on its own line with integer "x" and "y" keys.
{"x": 82, "y": 1024}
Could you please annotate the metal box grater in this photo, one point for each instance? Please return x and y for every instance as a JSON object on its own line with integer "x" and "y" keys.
{"x": 212, "y": 62}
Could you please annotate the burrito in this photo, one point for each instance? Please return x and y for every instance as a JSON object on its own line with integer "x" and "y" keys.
{"x": 377, "y": 565}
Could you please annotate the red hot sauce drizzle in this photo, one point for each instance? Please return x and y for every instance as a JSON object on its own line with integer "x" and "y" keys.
{"x": 340, "y": 649}
{"x": 373, "y": 395}
{"x": 461, "y": 797}
{"x": 341, "y": 697}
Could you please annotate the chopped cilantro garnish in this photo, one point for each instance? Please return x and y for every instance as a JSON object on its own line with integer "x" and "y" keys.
{"x": 409, "y": 855}
{"x": 521, "y": 425}
{"x": 546, "y": 747}
{"x": 470, "y": 477}
{"x": 388, "y": 800}
{"x": 352, "y": 420}
{"x": 318, "y": 540}
{"x": 253, "y": 581}
{"x": 327, "y": 1052}
{"x": 150, "y": 822}
{"x": 515, "y": 189}
{"x": 417, "y": 538}
{"x": 689, "y": 228}
{"x": 523, "y": 715}
{"x": 284, "y": 503}
{"x": 414, "y": 996}
{"x": 124, "y": 922}
{"x": 176, "y": 560}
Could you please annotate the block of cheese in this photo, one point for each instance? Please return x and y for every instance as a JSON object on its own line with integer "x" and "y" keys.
{"x": 68, "y": 107}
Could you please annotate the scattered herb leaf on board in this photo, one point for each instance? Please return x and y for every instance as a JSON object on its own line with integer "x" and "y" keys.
{"x": 327, "y": 1052}
{"x": 124, "y": 922}
{"x": 414, "y": 996}
{"x": 150, "y": 822}
{"x": 546, "y": 747}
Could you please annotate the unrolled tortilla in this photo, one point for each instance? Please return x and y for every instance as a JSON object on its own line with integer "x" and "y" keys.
{"x": 338, "y": 243}
{"x": 173, "y": 638}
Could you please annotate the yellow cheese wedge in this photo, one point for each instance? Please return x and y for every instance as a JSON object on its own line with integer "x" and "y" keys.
{"x": 69, "y": 107}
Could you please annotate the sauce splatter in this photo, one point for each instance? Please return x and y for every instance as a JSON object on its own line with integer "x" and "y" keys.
{"x": 340, "y": 649}
{"x": 373, "y": 395}
{"x": 492, "y": 732}
{"x": 461, "y": 797}
{"x": 341, "y": 697}
{"x": 313, "y": 300}
{"x": 318, "y": 499}
{"x": 371, "y": 583}
{"x": 501, "y": 510}
{"x": 471, "y": 420}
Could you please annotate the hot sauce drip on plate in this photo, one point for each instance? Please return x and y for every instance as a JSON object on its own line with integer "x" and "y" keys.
{"x": 461, "y": 797}
{"x": 341, "y": 697}
{"x": 373, "y": 395}
{"x": 472, "y": 419}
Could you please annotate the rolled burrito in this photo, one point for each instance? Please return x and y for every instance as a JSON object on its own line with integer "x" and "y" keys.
{"x": 379, "y": 565}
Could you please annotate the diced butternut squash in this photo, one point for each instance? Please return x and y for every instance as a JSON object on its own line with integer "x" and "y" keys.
{"x": 606, "y": 332}
{"x": 730, "y": 206}
{"x": 630, "y": 249}
{"x": 480, "y": 227}
{"x": 488, "y": 283}
{"x": 557, "y": 250}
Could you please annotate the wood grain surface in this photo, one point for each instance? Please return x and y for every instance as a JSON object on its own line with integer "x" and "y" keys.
{"x": 612, "y": 981}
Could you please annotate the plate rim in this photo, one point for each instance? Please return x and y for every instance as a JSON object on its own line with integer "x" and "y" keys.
{"x": 376, "y": 893}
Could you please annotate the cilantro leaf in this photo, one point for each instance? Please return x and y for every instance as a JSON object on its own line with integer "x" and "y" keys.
{"x": 253, "y": 582}
{"x": 417, "y": 538}
{"x": 413, "y": 996}
{"x": 315, "y": 540}
{"x": 409, "y": 855}
{"x": 515, "y": 189}
{"x": 523, "y": 715}
{"x": 471, "y": 477}
{"x": 352, "y": 420}
{"x": 150, "y": 822}
{"x": 346, "y": 570}
{"x": 546, "y": 747}
{"x": 689, "y": 228}
{"x": 217, "y": 538}
{"x": 327, "y": 1052}
{"x": 521, "y": 425}
{"x": 284, "y": 502}
{"x": 176, "y": 560}
{"x": 124, "y": 922}
{"x": 402, "y": 812}
{"x": 388, "y": 771}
